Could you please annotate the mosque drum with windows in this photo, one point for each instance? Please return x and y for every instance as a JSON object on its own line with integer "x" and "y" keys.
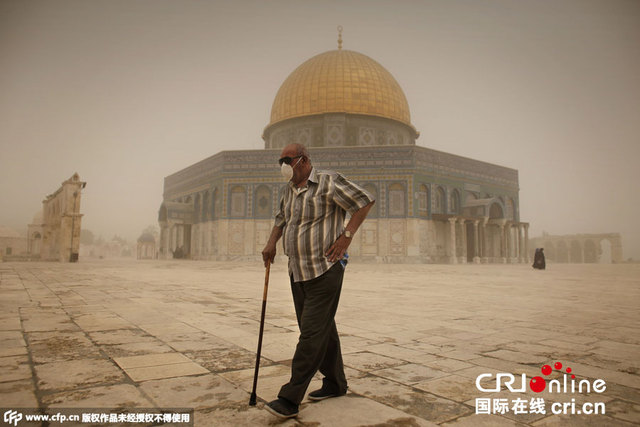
{"x": 431, "y": 206}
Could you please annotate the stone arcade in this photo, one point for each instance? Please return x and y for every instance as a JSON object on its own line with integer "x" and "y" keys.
{"x": 581, "y": 248}
{"x": 432, "y": 206}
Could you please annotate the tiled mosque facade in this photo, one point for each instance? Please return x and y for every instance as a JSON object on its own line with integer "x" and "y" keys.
{"x": 431, "y": 207}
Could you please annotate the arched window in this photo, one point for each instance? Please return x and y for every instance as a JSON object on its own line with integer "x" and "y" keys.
{"x": 238, "y": 201}
{"x": 439, "y": 205}
{"x": 262, "y": 200}
{"x": 371, "y": 189}
{"x": 397, "y": 200}
{"x": 454, "y": 202}
{"x": 423, "y": 200}
{"x": 496, "y": 211}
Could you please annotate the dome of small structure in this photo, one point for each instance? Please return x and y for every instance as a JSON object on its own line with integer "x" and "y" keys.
{"x": 340, "y": 81}
{"x": 146, "y": 238}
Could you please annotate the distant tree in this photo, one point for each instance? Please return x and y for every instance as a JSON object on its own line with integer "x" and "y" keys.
{"x": 87, "y": 237}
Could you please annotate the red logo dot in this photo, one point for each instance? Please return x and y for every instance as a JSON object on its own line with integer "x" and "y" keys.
{"x": 568, "y": 370}
{"x": 546, "y": 370}
{"x": 573, "y": 376}
{"x": 558, "y": 365}
{"x": 537, "y": 384}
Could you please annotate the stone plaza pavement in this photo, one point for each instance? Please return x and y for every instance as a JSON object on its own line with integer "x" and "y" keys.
{"x": 166, "y": 334}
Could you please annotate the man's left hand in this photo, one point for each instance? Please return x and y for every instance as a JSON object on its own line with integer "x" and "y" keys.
{"x": 339, "y": 247}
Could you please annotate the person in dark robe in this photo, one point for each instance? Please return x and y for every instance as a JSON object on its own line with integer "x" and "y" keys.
{"x": 538, "y": 259}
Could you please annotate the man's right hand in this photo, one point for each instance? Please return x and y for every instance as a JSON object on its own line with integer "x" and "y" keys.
{"x": 269, "y": 253}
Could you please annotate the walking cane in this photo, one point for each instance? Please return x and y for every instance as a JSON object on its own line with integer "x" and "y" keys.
{"x": 252, "y": 399}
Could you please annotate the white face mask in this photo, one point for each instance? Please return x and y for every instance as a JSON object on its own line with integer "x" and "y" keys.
{"x": 287, "y": 170}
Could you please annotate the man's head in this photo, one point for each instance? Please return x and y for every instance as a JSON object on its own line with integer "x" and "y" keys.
{"x": 297, "y": 156}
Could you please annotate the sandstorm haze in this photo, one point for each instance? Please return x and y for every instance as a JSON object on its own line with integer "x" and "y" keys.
{"x": 128, "y": 92}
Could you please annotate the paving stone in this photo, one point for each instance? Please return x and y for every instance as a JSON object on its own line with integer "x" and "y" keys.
{"x": 446, "y": 364}
{"x": 47, "y": 347}
{"x": 119, "y": 396}
{"x": 624, "y": 411}
{"x": 518, "y": 357}
{"x": 480, "y": 420}
{"x": 151, "y": 360}
{"x": 238, "y": 377}
{"x": 101, "y": 322}
{"x": 8, "y": 338}
{"x": 401, "y": 353}
{"x": 18, "y": 394}
{"x": 13, "y": 368}
{"x": 120, "y": 336}
{"x": 46, "y": 322}
{"x": 460, "y": 355}
{"x": 10, "y": 323}
{"x": 409, "y": 400}
{"x": 367, "y": 361}
{"x": 204, "y": 391}
{"x": 191, "y": 342}
{"x": 229, "y": 358}
{"x": 165, "y": 371}
{"x": 77, "y": 373}
{"x": 351, "y": 410}
{"x": 13, "y": 351}
{"x": 169, "y": 329}
{"x": 409, "y": 374}
{"x": 453, "y": 387}
{"x": 628, "y": 394}
{"x": 240, "y": 415}
{"x": 136, "y": 349}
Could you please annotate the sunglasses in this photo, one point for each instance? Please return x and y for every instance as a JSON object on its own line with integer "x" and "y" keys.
{"x": 287, "y": 160}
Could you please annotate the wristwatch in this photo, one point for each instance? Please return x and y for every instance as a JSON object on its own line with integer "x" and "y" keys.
{"x": 348, "y": 234}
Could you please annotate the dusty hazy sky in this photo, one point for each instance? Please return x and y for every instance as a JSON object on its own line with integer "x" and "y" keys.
{"x": 128, "y": 92}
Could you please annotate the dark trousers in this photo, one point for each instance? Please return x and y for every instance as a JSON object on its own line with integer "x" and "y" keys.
{"x": 316, "y": 302}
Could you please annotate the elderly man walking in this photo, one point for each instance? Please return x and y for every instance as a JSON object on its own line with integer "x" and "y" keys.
{"x": 310, "y": 219}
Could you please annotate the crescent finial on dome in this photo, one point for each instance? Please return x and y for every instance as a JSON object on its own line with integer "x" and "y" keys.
{"x": 340, "y": 37}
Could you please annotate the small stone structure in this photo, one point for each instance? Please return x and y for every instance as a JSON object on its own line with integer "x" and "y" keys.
{"x": 61, "y": 221}
{"x": 146, "y": 246}
{"x": 11, "y": 243}
{"x": 578, "y": 248}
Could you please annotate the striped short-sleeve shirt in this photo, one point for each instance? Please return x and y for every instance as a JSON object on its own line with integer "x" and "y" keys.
{"x": 312, "y": 218}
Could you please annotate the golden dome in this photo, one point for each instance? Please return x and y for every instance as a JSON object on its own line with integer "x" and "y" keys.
{"x": 340, "y": 81}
